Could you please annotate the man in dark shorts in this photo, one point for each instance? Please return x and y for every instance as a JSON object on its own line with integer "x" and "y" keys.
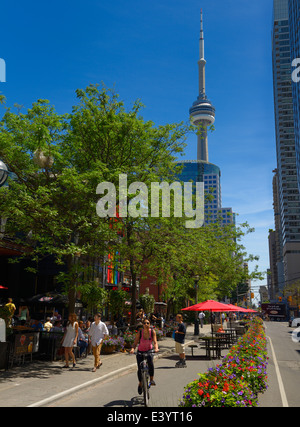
{"x": 179, "y": 342}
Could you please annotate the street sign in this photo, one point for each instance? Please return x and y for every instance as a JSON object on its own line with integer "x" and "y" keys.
{"x": 274, "y": 310}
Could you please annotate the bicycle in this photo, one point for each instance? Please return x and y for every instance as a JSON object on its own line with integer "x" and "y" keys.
{"x": 146, "y": 383}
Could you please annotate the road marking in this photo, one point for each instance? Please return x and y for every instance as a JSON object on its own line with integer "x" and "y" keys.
{"x": 280, "y": 383}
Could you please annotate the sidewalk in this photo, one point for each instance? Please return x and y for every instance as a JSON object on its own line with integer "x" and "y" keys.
{"x": 41, "y": 382}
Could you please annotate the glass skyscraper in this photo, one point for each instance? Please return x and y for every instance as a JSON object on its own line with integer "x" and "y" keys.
{"x": 294, "y": 24}
{"x": 210, "y": 175}
{"x": 288, "y": 192}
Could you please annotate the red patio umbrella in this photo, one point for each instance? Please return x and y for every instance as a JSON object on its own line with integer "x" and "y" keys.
{"x": 237, "y": 308}
{"x": 242, "y": 309}
{"x": 210, "y": 305}
{"x": 249, "y": 310}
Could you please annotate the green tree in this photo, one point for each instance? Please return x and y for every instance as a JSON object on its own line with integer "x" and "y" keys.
{"x": 58, "y": 161}
{"x": 147, "y": 302}
{"x": 51, "y": 201}
{"x": 93, "y": 296}
{"x": 117, "y": 299}
{"x": 214, "y": 253}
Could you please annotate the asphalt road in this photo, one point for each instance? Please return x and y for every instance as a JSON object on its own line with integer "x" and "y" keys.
{"x": 44, "y": 383}
{"x": 122, "y": 391}
{"x": 283, "y": 368}
{"x": 283, "y": 378}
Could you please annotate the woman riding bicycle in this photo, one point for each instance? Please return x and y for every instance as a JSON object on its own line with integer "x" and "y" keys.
{"x": 145, "y": 338}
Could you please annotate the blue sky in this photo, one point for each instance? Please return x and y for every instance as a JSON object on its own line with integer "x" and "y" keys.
{"x": 149, "y": 50}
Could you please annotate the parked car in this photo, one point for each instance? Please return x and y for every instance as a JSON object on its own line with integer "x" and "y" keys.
{"x": 296, "y": 322}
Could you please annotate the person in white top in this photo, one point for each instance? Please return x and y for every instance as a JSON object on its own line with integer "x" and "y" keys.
{"x": 97, "y": 332}
{"x": 201, "y": 318}
{"x": 70, "y": 339}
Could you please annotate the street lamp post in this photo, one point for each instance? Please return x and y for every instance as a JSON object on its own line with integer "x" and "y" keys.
{"x": 196, "y": 328}
{"x": 3, "y": 173}
{"x": 3, "y": 178}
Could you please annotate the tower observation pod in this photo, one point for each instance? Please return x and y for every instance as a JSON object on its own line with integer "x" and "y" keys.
{"x": 202, "y": 112}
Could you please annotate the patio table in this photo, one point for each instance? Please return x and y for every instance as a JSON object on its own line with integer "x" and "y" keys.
{"x": 213, "y": 346}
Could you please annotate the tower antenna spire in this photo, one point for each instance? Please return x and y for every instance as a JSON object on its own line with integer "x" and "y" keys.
{"x": 201, "y": 37}
{"x": 202, "y": 113}
{"x": 201, "y": 62}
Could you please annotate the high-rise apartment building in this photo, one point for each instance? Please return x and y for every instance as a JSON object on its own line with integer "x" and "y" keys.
{"x": 272, "y": 272}
{"x": 288, "y": 203}
{"x": 276, "y": 273}
{"x": 294, "y": 24}
{"x": 202, "y": 115}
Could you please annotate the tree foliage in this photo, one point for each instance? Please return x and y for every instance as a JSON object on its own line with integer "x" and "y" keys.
{"x": 116, "y": 303}
{"x": 147, "y": 302}
{"x": 58, "y": 160}
{"x": 94, "y": 296}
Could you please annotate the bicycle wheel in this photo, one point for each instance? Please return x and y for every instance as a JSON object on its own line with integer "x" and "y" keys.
{"x": 145, "y": 388}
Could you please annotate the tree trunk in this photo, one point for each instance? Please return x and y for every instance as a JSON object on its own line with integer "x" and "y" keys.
{"x": 169, "y": 306}
{"x": 72, "y": 285}
{"x": 133, "y": 291}
{"x": 132, "y": 273}
{"x": 72, "y": 298}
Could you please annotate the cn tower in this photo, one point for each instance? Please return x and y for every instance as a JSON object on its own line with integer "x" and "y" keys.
{"x": 202, "y": 113}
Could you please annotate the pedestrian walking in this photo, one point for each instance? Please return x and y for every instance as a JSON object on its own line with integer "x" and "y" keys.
{"x": 179, "y": 342}
{"x": 86, "y": 331}
{"x": 23, "y": 314}
{"x": 201, "y": 318}
{"x": 10, "y": 306}
{"x": 82, "y": 338}
{"x": 70, "y": 339}
{"x": 98, "y": 331}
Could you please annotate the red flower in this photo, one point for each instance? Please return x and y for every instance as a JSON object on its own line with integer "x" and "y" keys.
{"x": 226, "y": 387}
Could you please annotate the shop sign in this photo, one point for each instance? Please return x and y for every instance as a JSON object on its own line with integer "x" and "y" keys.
{"x": 274, "y": 310}
{"x": 26, "y": 343}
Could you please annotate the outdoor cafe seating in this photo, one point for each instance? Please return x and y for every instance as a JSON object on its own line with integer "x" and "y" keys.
{"x": 213, "y": 346}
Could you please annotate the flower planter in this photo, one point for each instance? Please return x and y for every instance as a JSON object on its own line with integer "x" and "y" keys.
{"x": 108, "y": 349}
{"x": 239, "y": 378}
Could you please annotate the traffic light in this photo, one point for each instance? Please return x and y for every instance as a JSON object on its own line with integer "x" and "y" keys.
{"x": 252, "y": 295}
{"x": 279, "y": 299}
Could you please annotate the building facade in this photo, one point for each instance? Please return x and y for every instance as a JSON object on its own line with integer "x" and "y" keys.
{"x": 288, "y": 203}
{"x": 294, "y": 24}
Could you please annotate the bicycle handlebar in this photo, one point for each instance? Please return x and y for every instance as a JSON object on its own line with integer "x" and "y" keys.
{"x": 146, "y": 353}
